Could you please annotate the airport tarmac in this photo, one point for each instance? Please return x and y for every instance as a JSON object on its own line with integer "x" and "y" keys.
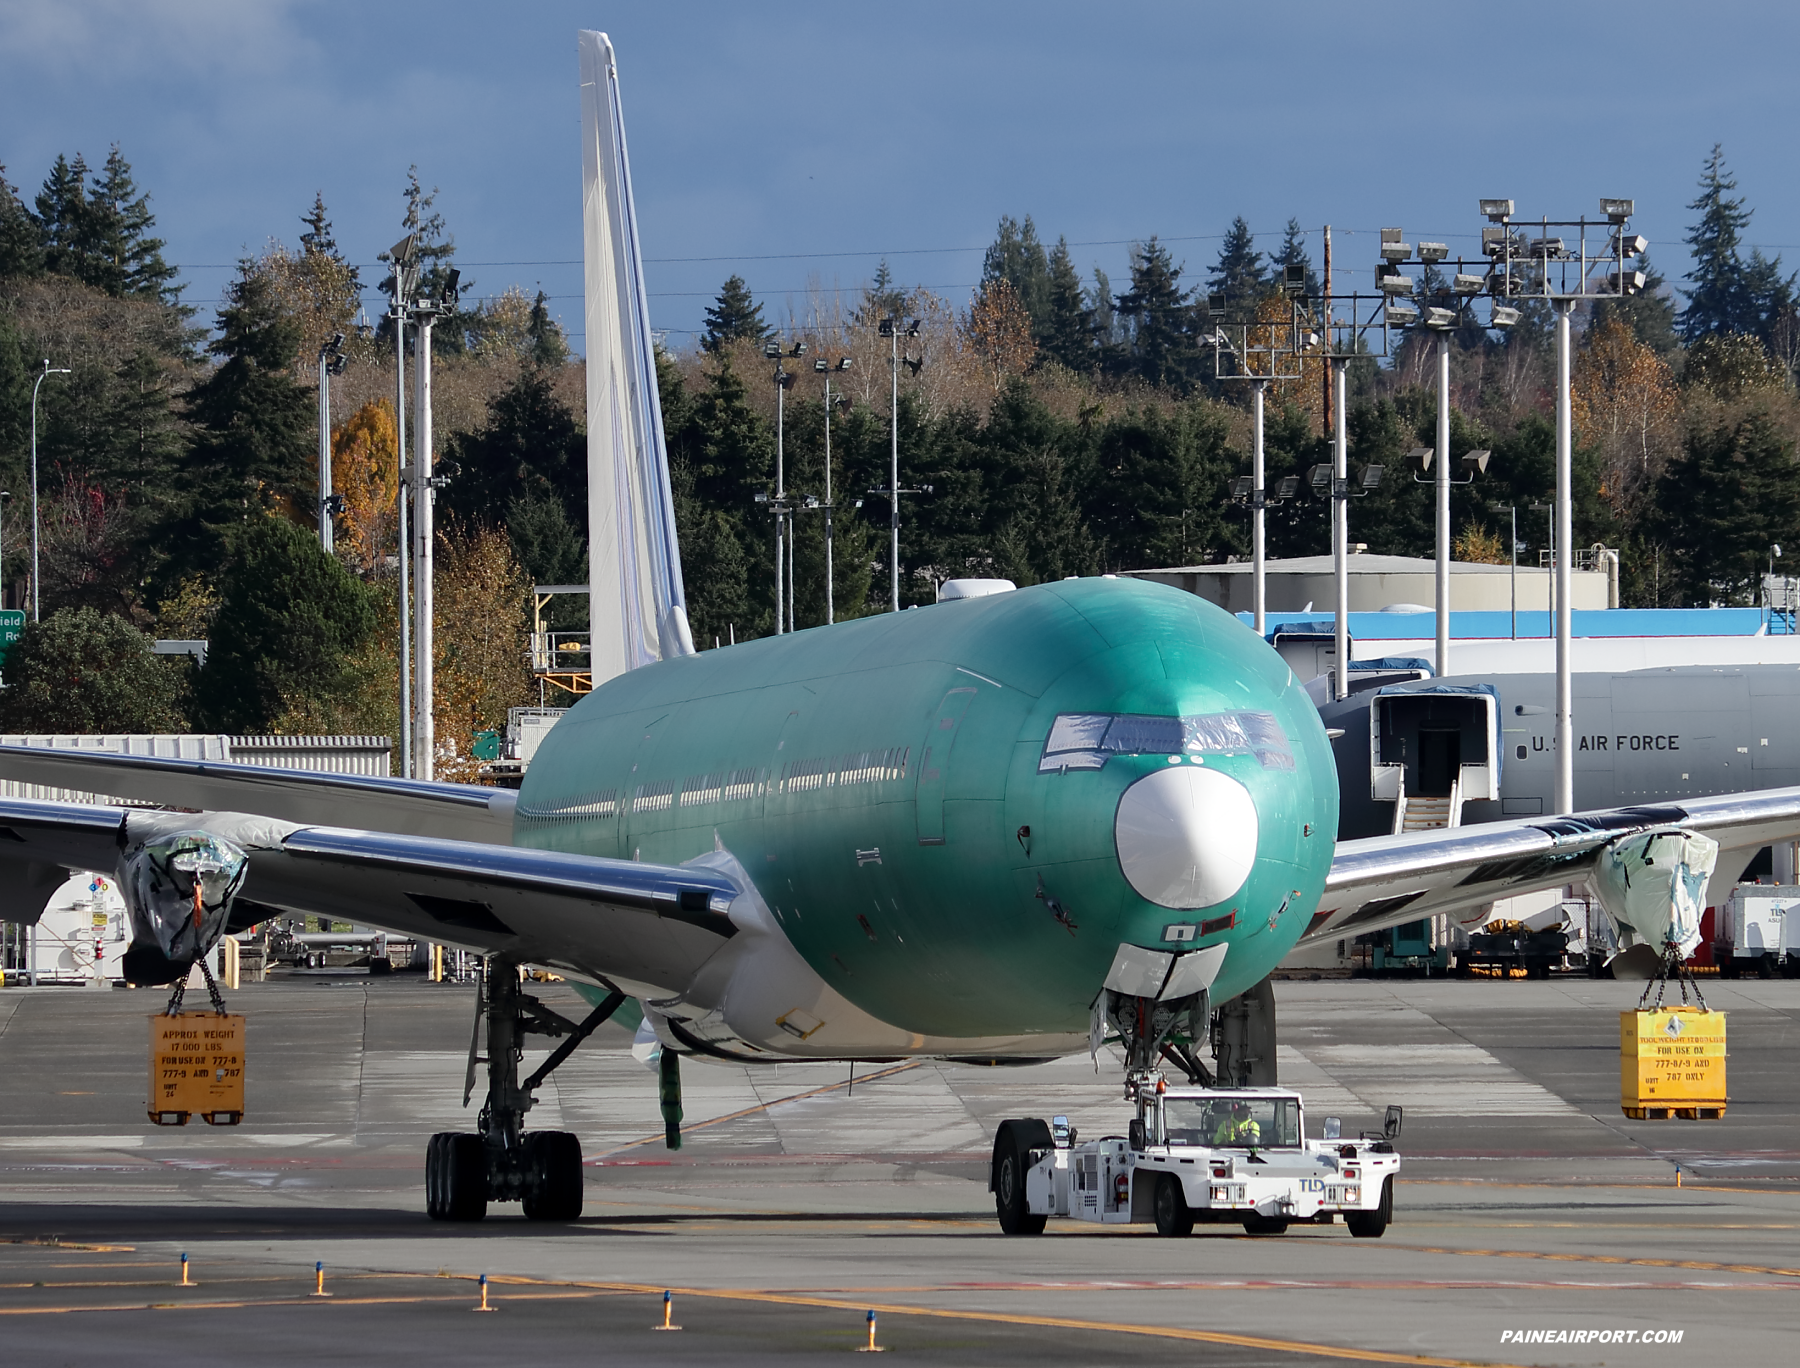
{"x": 798, "y": 1203}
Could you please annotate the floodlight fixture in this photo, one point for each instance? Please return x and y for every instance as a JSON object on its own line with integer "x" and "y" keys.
{"x": 886, "y": 327}
{"x": 1629, "y": 244}
{"x": 336, "y": 365}
{"x": 1215, "y": 303}
{"x": 1476, "y": 462}
{"x": 1433, "y": 251}
{"x": 1467, "y": 284}
{"x": 337, "y": 341}
{"x": 798, "y": 350}
{"x": 762, "y": 498}
{"x": 772, "y": 350}
{"x": 912, "y": 328}
{"x": 1420, "y": 459}
{"x": 1401, "y": 315}
{"x": 1502, "y": 283}
{"x": 1626, "y": 282}
{"x": 1242, "y": 487}
{"x": 1293, "y": 279}
{"x": 1319, "y": 477}
{"x": 1371, "y": 478}
{"x": 1550, "y": 248}
{"x": 1617, "y": 210}
{"x": 1493, "y": 241}
{"x": 821, "y": 364}
{"x": 1394, "y": 282}
{"x": 1392, "y": 248}
{"x": 1286, "y": 487}
{"x": 785, "y": 379}
{"x": 450, "y": 294}
{"x": 844, "y": 363}
{"x": 1497, "y": 210}
{"x": 1440, "y": 319}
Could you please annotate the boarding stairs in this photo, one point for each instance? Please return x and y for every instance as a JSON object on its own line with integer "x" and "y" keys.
{"x": 1416, "y": 812}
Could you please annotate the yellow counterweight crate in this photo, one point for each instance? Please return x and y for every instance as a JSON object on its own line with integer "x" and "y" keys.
{"x": 196, "y": 1067}
{"x": 1672, "y": 1064}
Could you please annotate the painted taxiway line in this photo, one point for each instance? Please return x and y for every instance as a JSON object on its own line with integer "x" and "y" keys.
{"x": 1701, "y": 1265}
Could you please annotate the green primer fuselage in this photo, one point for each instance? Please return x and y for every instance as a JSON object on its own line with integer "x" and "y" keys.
{"x": 876, "y": 779}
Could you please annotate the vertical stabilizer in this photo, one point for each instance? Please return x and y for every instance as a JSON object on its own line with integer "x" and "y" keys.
{"x": 637, "y": 607}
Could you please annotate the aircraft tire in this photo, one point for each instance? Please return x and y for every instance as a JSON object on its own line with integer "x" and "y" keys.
{"x": 1169, "y": 1207}
{"x": 1013, "y": 1144}
{"x": 1372, "y": 1225}
{"x": 1264, "y": 1225}
{"x": 456, "y": 1179}
{"x": 554, "y": 1161}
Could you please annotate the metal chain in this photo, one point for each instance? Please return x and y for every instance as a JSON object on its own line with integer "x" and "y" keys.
{"x": 212, "y": 988}
{"x": 174, "y": 1007}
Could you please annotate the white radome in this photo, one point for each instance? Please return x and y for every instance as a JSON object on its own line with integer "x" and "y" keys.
{"x": 1186, "y": 836}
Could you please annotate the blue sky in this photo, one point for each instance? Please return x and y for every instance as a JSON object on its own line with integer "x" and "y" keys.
{"x": 794, "y": 142}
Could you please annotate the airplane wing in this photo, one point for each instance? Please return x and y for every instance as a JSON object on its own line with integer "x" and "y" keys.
{"x": 1385, "y": 881}
{"x": 467, "y": 812}
{"x": 644, "y": 928}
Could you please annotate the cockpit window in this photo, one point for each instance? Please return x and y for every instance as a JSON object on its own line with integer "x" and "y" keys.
{"x": 1083, "y": 741}
{"x": 1249, "y": 1122}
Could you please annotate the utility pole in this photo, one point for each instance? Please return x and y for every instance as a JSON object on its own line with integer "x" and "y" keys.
{"x": 890, "y": 329}
{"x": 1562, "y": 559}
{"x": 1325, "y": 404}
{"x": 1441, "y": 487}
{"x": 1340, "y": 527}
{"x": 826, "y": 368}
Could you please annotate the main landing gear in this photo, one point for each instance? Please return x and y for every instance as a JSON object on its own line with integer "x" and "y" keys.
{"x": 502, "y": 1161}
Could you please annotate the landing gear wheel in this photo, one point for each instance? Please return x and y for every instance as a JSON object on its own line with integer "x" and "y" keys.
{"x": 1169, "y": 1206}
{"x": 456, "y": 1177}
{"x": 553, "y": 1160}
{"x": 1013, "y": 1146}
{"x": 1264, "y": 1225}
{"x": 1372, "y": 1225}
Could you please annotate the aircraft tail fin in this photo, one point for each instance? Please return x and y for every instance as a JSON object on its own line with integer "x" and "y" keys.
{"x": 636, "y": 603}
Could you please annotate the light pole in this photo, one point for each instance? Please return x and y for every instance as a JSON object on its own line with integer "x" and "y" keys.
{"x": 331, "y": 362}
{"x": 43, "y": 375}
{"x": 1512, "y": 560}
{"x": 5, "y": 499}
{"x": 1563, "y": 276}
{"x": 821, "y": 364}
{"x": 406, "y": 275}
{"x": 890, "y": 328}
{"x": 1258, "y": 355}
{"x": 784, "y": 539}
{"x": 424, "y": 312}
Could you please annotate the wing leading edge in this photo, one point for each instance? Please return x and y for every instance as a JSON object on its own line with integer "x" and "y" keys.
{"x": 641, "y": 927}
{"x": 1385, "y": 881}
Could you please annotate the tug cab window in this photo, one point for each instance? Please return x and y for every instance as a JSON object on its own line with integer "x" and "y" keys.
{"x": 1232, "y": 1122}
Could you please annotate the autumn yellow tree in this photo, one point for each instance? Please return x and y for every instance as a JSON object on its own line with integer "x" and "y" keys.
{"x": 1625, "y": 404}
{"x": 999, "y": 330}
{"x": 482, "y": 625}
{"x": 365, "y": 471}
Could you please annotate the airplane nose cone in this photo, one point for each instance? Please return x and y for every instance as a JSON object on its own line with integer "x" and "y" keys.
{"x": 1186, "y": 836}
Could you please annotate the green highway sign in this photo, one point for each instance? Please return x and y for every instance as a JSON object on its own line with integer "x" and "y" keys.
{"x": 12, "y": 623}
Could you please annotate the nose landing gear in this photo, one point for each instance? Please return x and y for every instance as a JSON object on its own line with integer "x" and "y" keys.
{"x": 502, "y": 1162}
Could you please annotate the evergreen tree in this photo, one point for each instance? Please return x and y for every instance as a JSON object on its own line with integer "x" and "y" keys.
{"x": 318, "y": 240}
{"x": 86, "y": 672}
{"x": 1723, "y": 502}
{"x": 1729, "y": 294}
{"x": 124, "y": 253}
{"x": 1162, "y": 349}
{"x": 1017, "y": 257}
{"x": 734, "y": 315}
{"x": 1101, "y": 309}
{"x": 1293, "y": 253}
{"x": 256, "y": 442}
{"x": 21, "y": 245}
{"x": 1069, "y": 333}
{"x": 62, "y": 218}
{"x": 291, "y": 619}
{"x": 881, "y": 299}
{"x": 1239, "y": 275}
{"x": 530, "y": 446}
{"x": 549, "y": 348}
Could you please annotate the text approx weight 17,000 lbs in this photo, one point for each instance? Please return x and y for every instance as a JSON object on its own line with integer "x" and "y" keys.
{"x": 196, "y": 1067}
